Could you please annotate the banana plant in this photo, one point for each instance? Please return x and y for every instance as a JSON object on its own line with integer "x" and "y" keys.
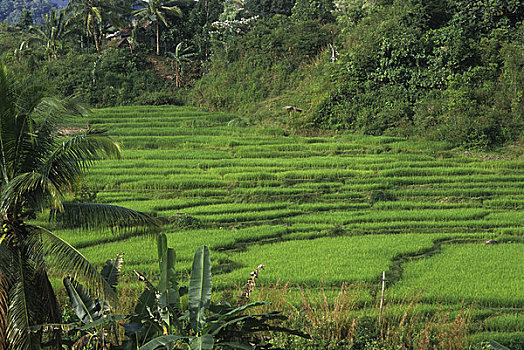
{"x": 180, "y": 57}
{"x": 95, "y": 313}
{"x": 158, "y": 308}
{"x": 51, "y": 35}
{"x": 161, "y": 323}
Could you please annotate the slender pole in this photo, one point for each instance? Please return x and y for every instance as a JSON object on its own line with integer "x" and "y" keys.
{"x": 157, "y": 39}
{"x": 382, "y": 297}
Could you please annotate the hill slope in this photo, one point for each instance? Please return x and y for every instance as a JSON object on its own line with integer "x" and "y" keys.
{"x": 10, "y": 10}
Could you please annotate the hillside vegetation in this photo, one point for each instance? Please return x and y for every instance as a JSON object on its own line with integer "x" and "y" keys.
{"x": 328, "y": 149}
{"x": 439, "y": 70}
{"x": 19, "y": 11}
{"x": 436, "y": 70}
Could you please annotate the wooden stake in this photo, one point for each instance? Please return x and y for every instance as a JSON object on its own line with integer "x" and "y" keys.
{"x": 382, "y": 297}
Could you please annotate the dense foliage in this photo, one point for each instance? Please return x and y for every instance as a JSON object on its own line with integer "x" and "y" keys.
{"x": 444, "y": 70}
{"x": 441, "y": 70}
{"x": 13, "y": 10}
{"x": 260, "y": 64}
{"x": 39, "y": 165}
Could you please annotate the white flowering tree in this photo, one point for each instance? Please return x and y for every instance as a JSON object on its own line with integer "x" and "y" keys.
{"x": 224, "y": 31}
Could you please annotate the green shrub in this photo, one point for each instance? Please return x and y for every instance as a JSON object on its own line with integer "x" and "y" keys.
{"x": 259, "y": 65}
{"x": 427, "y": 69}
{"x": 184, "y": 221}
{"x": 165, "y": 96}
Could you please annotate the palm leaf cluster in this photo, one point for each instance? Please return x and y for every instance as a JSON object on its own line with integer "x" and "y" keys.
{"x": 93, "y": 15}
{"x": 155, "y": 11}
{"x": 39, "y": 169}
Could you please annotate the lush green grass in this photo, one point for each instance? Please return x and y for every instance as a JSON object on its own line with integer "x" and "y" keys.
{"x": 512, "y": 323}
{"x": 329, "y": 260}
{"x": 491, "y": 275}
{"x": 333, "y": 208}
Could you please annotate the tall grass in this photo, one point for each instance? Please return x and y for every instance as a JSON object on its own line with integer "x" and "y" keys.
{"x": 338, "y": 319}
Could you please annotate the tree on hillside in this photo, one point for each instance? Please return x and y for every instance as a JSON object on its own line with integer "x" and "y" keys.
{"x": 155, "y": 11}
{"x": 26, "y": 20}
{"x": 231, "y": 9}
{"x": 180, "y": 57}
{"x": 51, "y": 35}
{"x": 93, "y": 16}
{"x": 38, "y": 167}
{"x": 313, "y": 10}
{"x": 203, "y": 14}
{"x": 89, "y": 14}
{"x": 268, "y": 8}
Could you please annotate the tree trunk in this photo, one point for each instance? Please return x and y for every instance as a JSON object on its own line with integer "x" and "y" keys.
{"x": 4, "y": 306}
{"x": 178, "y": 75}
{"x": 157, "y": 39}
{"x": 95, "y": 37}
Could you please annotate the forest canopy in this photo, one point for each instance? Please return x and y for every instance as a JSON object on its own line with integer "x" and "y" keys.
{"x": 12, "y": 10}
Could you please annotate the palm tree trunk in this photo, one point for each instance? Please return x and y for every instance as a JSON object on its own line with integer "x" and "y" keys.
{"x": 157, "y": 39}
{"x": 4, "y": 305}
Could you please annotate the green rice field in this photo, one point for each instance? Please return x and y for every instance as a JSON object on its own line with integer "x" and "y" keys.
{"x": 319, "y": 211}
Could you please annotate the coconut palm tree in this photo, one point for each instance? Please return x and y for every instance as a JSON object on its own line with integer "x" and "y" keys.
{"x": 155, "y": 11}
{"x": 39, "y": 167}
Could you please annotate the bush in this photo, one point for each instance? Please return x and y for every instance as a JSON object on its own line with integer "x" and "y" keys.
{"x": 260, "y": 65}
{"x": 185, "y": 222}
{"x": 165, "y": 96}
{"x": 424, "y": 69}
{"x": 116, "y": 77}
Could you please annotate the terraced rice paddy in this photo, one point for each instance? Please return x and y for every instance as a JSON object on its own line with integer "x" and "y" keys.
{"x": 319, "y": 210}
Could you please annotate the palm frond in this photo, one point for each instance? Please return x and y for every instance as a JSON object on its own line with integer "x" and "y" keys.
{"x": 94, "y": 144}
{"x": 4, "y": 88}
{"x": 33, "y": 189}
{"x": 112, "y": 269}
{"x": 36, "y": 31}
{"x": 4, "y": 307}
{"x": 8, "y": 274}
{"x": 160, "y": 15}
{"x": 40, "y": 293}
{"x": 6, "y": 122}
{"x": 104, "y": 217}
{"x": 34, "y": 151}
{"x": 55, "y": 110}
{"x": 28, "y": 125}
{"x": 71, "y": 158}
{"x": 67, "y": 259}
{"x": 48, "y": 308}
{"x": 7, "y": 259}
{"x": 174, "y": 10}
{"x": 18, "y": 336}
